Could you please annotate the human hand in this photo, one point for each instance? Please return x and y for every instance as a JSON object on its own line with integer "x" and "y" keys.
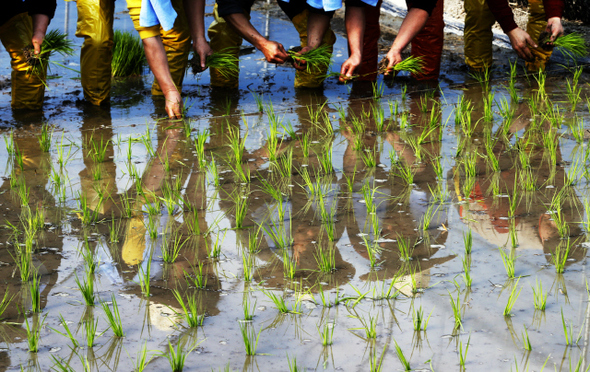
{"x": 394, "y": 57}
{"x": 520, "y": 41}
{"x": 299, "y": 64}
{"x": 554, "y": 28}
{"x": 348, "y": 67}
{"x": 203, "y": 50}
{"x": 37, "y": 41}
{"x": 173, "y": 103}
{"x": 273, "y": 51}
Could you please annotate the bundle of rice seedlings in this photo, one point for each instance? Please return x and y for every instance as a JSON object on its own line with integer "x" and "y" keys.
{"x": 411, "y": 64}
{"x": 315, "y": 60}
{"x": 572, "y": 45}
{"x": 55, "y": 42}
{"x": 128, "y": 55}
{"x": 226, "y": 63}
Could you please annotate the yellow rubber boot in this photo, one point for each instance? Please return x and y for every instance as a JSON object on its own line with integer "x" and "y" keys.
{"x": 224, "y": 39}
{"x": 313, "y": 79}
{"x": 478, "y": 34}
{"x": 537, "y": 24}
{"x": 95, "y": 25}
{"x": 28, "y": 90}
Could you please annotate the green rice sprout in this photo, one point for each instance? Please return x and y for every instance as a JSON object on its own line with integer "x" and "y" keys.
{"x": 466, "y": 262}
{"x": 572, "y": 45}
{"x": 142, "y": 360}
{"x": 420, "y": 323}
{"x": 68, "y": 333}
{"x": 561, "y": 254}
{"x": 35, "y": 290}
{"x": 34, "y": 334}
{"x": 326, "y": 333}
{"x": 315, "y": 60}
{"x": 280, "y": 303}
{"x": 456, "y": 307}
{"x": 567, "y": 331}
{"x": 325, "y": 258}
{"x": 177, "y": 357}
{"x": 412, "y": 64}
{"x": 463, "y": 352}
{"x": 508, "y": 259}
{"x": 90, "y": 329}
{"x": 227, "y": 64}
{"x": 512, "y": 297}
{"x": 250, "y": 338}
{"x": 369, "y": 326}
{"x": 199, "y": 277}
{"x": 171, "y": 250}
{"x": 45, "y": 137}
{"x": 87, "y": 288}
{"x": 248, "y": 308}
{"x": 6, "y": 300}
{"x": 128, "y": 55}
{"x": 402, "y": 358}
{"x": 539, "y": 297}
{"x": 190, "y": 308}
{"x": 468, "y": 241}
{"x": 113, "y": 316}
{"x": 54, "y": 42}
{"x": 526, "y": 340}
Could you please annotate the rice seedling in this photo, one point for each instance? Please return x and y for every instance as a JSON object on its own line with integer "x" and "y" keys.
{"x": 325, "y": 259}
{"x": 247, "y": 309}
{"x": 466, "y": 262}
{"x": 225, "y": 62}
{"x": 213, "y": 172}
{"x": 284, "y": 164}
{"x": 379, "y": 117}
{"x": 9, "y": 142}
{"x": 463, "y": 352}
{"x": 35, "y": 291}
{"x": 6, "y": 300}
{"x": 325, "y": 159}
{"x": 250, "y": 338}
{"x": 113, "y": 317}
{"x": 68, "y": 333}
{"x": 526, "y": 340}
{"x": 87, "y": 289}
{"x": 456, "y": 307}
{"x": 405, "y": 250}
{"x": 34, "y": 334}
{"x": 144, "y": 276}
{"x": 512, "y": 297}
{"x": 577, "y": 129}
{"x": 293, "y": 364}
{"x": 88, "y": 257}
{"x": 45, "y": 137}
{"x": 413, "y": 65}
{"x": 199, "y": 277}
{"x": 141, "y": 360}
{"x": 468, "y": 241}
{"x": 560, "y": 256}
{"x": 171, "y": 250}
{"x": 247, "y": 266}
{"x": 405, "y": 172}
{"x": 91, "y": 331}
{"x": 508, "y": 260}
{"x": 512, "y": 84}
{"x": 539, "y": 297}
{"x": 152, "y": 226}
{"x": 541, "y": 78}
{"x": 289, "y": 265}
{"x": 24, "y": 260}
{"x": 315, "y": 60}
{"x": 573, "y": 94}
{"x": 177, "y": 357}
{"x": 54, "y": 42}
{"x": 326, "y": 333}
{"x": 572, "y": 45}
{"x": 215, "y": 251}
{"x": 369, "y": 325}
{"x": 402, "y": 358}
{"x": 128, "y": 55}
{"x": 568, "y": 332}
{"x": 199, "y": 142}
{"x": 280, "y": 303}
{"x": 419, "y": 321}
{"x": 190, "y": 308}
{"x": 259, "y": 99}
{"x": 488, "y": 113}
{"x": 378, "y": 90}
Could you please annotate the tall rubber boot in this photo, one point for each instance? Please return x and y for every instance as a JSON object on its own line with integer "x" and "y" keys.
{"x": 478, "y": 34}
{"x": 428, "y": 43}
{"x": 312, "y": 79}
{"x": 95, "y": 25}
{"x": 223, "y": 38}
{"x": 537, "y": 24}
{"x": 28, "y": 90}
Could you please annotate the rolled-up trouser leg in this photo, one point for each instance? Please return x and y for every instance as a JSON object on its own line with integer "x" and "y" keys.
{"x": 428, "y": 43}
{"x": 478, "y": 34}
{"x": 367, "y": 71}
{"x": 537, "y": 24}
{"x": 176, "y": 41}
{"x": 315, "y": 78}
{"x": 95, "y": 25}
{"x": 27, "y": 89}
{"x": 223, "y": 38}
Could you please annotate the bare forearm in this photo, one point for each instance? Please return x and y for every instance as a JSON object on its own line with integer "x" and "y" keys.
{"x": 355, "y": 29}
{"x": 156, "y": 57}
{"x": 195, "y": 13}
{"x": 244, "y": 28}
{"x": 411, "y": 26}
{"x": 317, "y": 25}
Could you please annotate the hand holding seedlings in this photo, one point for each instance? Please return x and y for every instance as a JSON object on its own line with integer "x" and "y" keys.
{"x": 520, "y": 41}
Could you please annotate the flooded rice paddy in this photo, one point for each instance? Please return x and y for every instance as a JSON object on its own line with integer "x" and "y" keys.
{"x": 354, "y": 228}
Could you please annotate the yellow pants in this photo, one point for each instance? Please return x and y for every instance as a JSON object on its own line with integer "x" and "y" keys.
{"x": 223, "y": 38}
{"x": 478, "y": 34}
{"x": 95, "y": 25}
{"x": 177, "y": 41}
{"x": 27, "y": 90}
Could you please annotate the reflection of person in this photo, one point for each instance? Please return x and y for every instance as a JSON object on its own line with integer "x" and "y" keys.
{"x": 544, "y": 15}
{"x": 166, "y": 41}
{"x": 24, "y": 23}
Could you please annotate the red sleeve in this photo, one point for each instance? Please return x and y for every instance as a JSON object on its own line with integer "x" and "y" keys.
{"x": 503, "y": 14}
{"x": 553, "y": 8}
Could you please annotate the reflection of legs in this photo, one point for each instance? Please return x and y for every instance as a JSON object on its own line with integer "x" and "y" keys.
{"x": 535, "y": 26}
{"x": 428, "y": 43}
{"x": 313, "y": 79}
{"x": 478, "y": 34}
{"x": 367, "y": 71}
{"x": 27, "y": 90}
{"x": 95, "y": 25}
{"x": 224, "y": 39}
